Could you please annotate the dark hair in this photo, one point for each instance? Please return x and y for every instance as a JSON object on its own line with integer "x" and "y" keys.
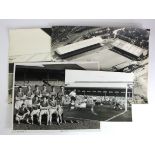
{"x": 36, "y": 96}
{"x": 36, "y": 86}
{"x": 19, "y": 87}
{"x": 23, "y": 104}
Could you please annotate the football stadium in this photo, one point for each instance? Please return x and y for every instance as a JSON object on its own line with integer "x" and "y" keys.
{"x": 119, "y": 49}
{"x": 101, "y": 97}
{"x": 35, "y": 83}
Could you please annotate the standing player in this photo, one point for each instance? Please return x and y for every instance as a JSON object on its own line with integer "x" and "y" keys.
{"x": 44, "y": 92}
{"x": 19, "y": 98}
{"x": 73, "y": 98}
{"x": 92, "y": 102}
{"x": 36, "y": 91}
{"x": 29, "y": 96}
{"x": 52, "y": 92}
{"x": 72, "y": 104}
{"x": 61, "y": 96}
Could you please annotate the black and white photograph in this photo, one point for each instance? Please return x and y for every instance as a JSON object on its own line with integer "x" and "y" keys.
{"x": 99, "y": 95}
{"x": 118, "y": 49}
{"x": 39, "y": 98}
{"x": 27, "y": 45}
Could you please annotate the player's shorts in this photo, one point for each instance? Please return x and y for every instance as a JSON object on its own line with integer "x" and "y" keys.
{"x": 28, "y": 103}
{"x": 63, "y": 100}
{"x": 42, "y": 112}
{"x": 18, "y": 104}
{"x": 20, "y": 117}
{"x": 35, "y": 112}
{"x": 52, "y": 110}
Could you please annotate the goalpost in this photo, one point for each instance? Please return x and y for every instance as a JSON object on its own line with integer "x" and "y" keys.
{"x": 126, "y": 98}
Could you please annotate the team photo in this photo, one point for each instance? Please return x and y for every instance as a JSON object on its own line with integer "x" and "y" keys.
{"x": 40, "y": 101}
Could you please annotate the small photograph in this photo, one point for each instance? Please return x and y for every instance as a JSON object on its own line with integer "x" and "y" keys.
{"x": 39, "y": 99}
{"x": 99, "y": 95}
{"x": 118, "y": 49}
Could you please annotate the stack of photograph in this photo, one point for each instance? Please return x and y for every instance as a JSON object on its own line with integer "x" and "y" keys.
{"x": 74, "y": 77}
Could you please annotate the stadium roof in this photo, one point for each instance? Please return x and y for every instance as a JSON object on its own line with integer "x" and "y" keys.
{"x": 130, "y": 48}
{"x": 97, "y": 79}
{"x": 59, "y": 65}
{"x": 79, "y": 45}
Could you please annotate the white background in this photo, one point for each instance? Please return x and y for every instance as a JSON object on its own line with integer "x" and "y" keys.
{"x": 137, "y": 137}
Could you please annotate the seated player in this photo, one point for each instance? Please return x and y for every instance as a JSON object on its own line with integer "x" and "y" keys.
{"x": 44, "y": 92}
{"x": 52, "y": 101}
{"x": 19, "y": 98}
{"x": 44, "y": 109}
{"x": 53, "y": 109}
{"x": 22, "y": 114}
{"x": 29, "y": 96}
{"x": 35, "y": 108}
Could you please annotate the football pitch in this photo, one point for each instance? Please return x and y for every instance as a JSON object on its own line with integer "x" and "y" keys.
{"x": 103, "y": 113}
{"x": 86, "y": 119}
{"x": 81, "y": 124}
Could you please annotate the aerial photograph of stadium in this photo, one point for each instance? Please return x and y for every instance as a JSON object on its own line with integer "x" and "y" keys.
{"x": 118, "y": 49}
{"x": 39, "y": 100}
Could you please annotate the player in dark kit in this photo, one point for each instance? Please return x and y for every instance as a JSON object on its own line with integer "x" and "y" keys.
{"x": 52, "y": 92}
{"x": 29, "y": 96}
{"x": 44, "y": 92}
{"x": 22, "y": 114}
{"x": 19, "y": 98}
{"x": 52, "y": 101}
{"x": 36, "y": 91}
